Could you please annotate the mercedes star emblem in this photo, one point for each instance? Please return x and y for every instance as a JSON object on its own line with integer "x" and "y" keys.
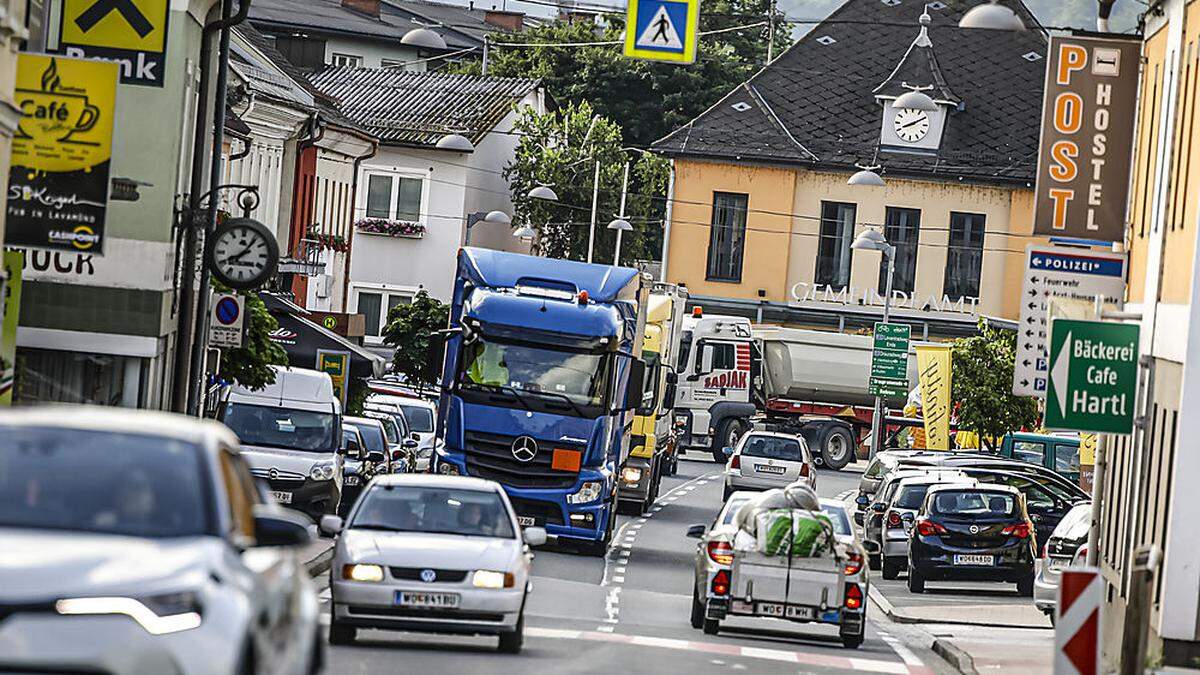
{"x": 524, "y": 449}
{"x": 273, "y": 473}
{"x": 428, "y": 576}
{"x": 974, "y": 529}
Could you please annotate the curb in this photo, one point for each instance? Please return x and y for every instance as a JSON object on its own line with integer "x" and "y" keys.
{"x": 886, "y": 606}
{"x": 320, "y": 563}
{"x": 959, "y": 659}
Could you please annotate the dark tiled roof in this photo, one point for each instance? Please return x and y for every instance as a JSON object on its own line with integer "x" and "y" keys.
{"x": 818, "y": 97}
{"x": 410, "y": 108}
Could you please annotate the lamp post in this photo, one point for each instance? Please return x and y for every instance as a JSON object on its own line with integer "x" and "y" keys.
{"x": 873, "y": 240}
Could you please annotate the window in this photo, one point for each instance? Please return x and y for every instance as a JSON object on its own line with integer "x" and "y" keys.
{"x": 375, "y": 306}
{"x": 902, "y": 229}
{"x": 394, "y": 197}
{"x": 728, "y": 236}
{"x": 964, "y": 257}
{"x": 833, "y": 251}
{"x": 1033, "y": 452}
{"x": 349, "y": 60}
{"x": 724, "y": 356}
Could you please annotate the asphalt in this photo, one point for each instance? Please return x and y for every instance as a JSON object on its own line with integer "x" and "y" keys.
{"x": 628, "y": 612}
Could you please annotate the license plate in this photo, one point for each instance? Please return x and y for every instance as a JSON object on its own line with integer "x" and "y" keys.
{"x": 763, "y": 468}
{"x": 526, "y": 521}
{"x": 351, "y": 480}
{"x": 965, "y": 559}
{"x": 281, "y": 497}
{"x": 434, "y": 600}
{"x": 769, "y": 609}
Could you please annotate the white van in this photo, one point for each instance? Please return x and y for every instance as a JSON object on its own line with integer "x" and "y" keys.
{"x": 291, "y": 436}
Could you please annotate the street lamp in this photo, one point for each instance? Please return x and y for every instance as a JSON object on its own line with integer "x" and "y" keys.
{"x": 543, "y": 192}
{"x": 524, "y": 232}
{"x": 620, "y": 225}
{"x": 873, "y": 240}
{"x": 456, "y": 143}
{"x": 993, "y": 16}
{"x": 423, "y": 38}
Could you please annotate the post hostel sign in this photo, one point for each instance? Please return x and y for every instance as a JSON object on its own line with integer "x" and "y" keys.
{"x": 1088, "y": 117}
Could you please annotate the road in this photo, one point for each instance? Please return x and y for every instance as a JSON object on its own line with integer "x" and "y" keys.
{"x": 629, "y": 612}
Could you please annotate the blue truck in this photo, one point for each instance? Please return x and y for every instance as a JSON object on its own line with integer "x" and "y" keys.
{"x": 539, "y": 383}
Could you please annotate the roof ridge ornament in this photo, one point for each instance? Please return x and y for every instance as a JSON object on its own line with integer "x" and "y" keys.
{"x": 923, "y": 37}
{"x": 919, "y": 61}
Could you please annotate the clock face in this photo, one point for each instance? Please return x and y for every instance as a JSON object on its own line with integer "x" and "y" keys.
{"x": 911, "y": 125}
{"x": 243, "y": 254}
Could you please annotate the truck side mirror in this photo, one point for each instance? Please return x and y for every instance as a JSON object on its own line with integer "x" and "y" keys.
{"x": 435, "y": 355}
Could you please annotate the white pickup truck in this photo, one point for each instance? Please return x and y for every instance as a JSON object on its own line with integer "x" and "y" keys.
{"x": 829, "y": 588}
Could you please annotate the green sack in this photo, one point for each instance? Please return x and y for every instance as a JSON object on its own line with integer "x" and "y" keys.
{"x": 795, "y": 534}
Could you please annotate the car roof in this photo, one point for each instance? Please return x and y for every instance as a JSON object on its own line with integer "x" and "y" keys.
{"x": 120, "y": 420}
{"x": 367, "y": 421}
{"x": 978, "y": 487}
{"x": 435, "y": 481}
{"x": 772, "y": 434}
{"x": 395, "y": 399}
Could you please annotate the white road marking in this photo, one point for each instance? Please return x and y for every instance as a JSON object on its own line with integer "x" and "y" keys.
{"x": 619, "y": 579}
{"x": 906, "y": 655}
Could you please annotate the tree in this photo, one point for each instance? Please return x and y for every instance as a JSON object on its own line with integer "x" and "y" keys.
{"x": 982, "y": 385}
{"x": 250, "y": 364}
{"x": 408, "y": 330}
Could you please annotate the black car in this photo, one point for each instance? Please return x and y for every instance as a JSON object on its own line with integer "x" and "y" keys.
{"x": 972, "y": 533}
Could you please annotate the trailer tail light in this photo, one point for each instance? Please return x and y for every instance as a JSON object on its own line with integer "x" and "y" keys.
{"x": 720, "y": 552}
{"x": 854, "y": 597}
{"x": 928, "y": 528}
{"x": 720, "y": 583}
{"x": 853, "y": 564}
{"x": 1020, "y": 530}
{"x": 735, "y": 462}
{"x": 697, "y": 311}
{"x": 893, "y": 519}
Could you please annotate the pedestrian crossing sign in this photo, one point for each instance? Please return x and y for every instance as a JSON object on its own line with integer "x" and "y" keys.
{"x": 662, "y": 30}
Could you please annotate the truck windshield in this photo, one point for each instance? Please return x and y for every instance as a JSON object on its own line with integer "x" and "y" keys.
{"x": 568, "y": 381}
{"x": 304, "y": 430}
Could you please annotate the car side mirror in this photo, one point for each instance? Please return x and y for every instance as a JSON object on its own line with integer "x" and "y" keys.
{"x": 415, "y": 436}
{"x": 411, "y": 444}
{"x": 534, "y": 536}
{"x": 727, "y": 451}
{"x": 352, "y": 449}
{"x": 871, "y": 547}
{"x": 863, "y": 500}
{"x": 879, "y": 507}
{"x": 376, "y": 456}
{"x": 278, "y": 527}
{"x": 330, "y": 525}
{"x": 858, "y": 517}
{"x": 697, "y": 531}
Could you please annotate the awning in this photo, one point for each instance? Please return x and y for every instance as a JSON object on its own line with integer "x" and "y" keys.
{"x": 302, "y": 338}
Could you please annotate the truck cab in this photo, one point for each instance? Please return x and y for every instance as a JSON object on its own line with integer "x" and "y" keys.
{"x": 713, "y": 401}
{"x": 1058, "y": 453}
{"x": 540, "y": 377}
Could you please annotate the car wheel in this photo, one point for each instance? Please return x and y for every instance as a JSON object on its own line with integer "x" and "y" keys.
{"x": 697, "y": 609}
{"x": 510, "y": 643}
{"x": 316, "y": 662}
{"x": 728, "y": 434}
{"x": 873, "y": 561}
{"x": 340, "y": 635}
{"x": 1025, "y": 587}
{"x": 916, "y": 581}
{"x": 711, "y": 626}
{"x": 891, "y": 568}
{"x": 837, "y": 447}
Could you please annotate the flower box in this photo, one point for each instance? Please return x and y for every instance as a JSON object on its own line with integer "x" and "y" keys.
{"x": 390, "y": 228}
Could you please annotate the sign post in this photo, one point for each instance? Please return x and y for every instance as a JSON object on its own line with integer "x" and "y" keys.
{"x": 662, "y": 30}
{"x": 889, "y": 360}
{"x": 1093, "y": 376}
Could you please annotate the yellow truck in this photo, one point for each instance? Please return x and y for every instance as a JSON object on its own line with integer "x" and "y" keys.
{"x": 652, "y": 454}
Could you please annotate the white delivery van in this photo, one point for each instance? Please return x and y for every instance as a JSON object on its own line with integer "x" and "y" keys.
{"x": 291, "y": 437}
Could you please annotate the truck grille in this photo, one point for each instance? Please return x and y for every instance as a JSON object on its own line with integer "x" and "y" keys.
{"x": 490, "y": 456}
{"x": 543, "y": 513}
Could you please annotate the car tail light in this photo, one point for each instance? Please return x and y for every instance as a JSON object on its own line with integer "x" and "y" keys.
{"x": 928, "y": 528}
{"x": 1020, "y": 530}
{"x": 804, "y": 470}
{"x": 853, "y": 563}
{"x": 735, "y": 462}
{"x": 720, "y": 583}
{"x": 893, "y": 519}
{"x": 1046, "y": 551}
{"x": 1081, "y": 553}
{"x": 720, "y": 552}
{"x": 854, "y": 597}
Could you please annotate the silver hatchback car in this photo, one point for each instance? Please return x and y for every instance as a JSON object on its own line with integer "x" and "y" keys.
{"x": 431, "y": 553}
{"x": 764, "y": 460}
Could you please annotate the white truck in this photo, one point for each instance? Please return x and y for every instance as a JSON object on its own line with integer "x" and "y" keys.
{"x": 733, "y": 377}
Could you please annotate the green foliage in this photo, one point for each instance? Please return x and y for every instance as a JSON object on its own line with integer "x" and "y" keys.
{"x": 408, "y": 330}
{"x": 250, "y": 364}
{"x": 982, "y": 384}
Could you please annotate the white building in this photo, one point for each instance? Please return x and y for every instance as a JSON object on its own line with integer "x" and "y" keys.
{"x": 414, "y": 202}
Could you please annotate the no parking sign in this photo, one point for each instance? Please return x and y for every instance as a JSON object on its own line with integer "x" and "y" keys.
{"x": 226, "y": 325}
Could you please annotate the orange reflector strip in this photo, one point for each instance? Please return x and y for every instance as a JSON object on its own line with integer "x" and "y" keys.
{"x": 566, "y": 460}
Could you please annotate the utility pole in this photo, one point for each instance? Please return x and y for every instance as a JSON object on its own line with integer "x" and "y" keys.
{"x": 595, "y": 204}
{"x": 624, "y": 190}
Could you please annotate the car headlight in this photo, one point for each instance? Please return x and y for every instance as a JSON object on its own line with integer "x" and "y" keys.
{"x": 157, "y": 614}
{"x": 360, "y": 572}
{"x": 588, "y": 492}
{"x": 321, "y": 471}
{"x": 631, "y": 474}
{"x": 493, "y": 579}
{"x": 447, "y": 469}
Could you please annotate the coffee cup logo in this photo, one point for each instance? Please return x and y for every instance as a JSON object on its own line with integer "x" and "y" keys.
{"x": 55, "y": 113}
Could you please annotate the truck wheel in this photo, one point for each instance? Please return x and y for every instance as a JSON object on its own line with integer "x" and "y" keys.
{"x": 837, "y": 447}
{"x": 728, "y": 434}
{"x": 711, "y": 626}
{"x": 697, "y": 610}
{"x": 891, "y": 568}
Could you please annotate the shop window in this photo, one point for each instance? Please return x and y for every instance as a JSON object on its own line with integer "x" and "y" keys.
{"x": 964, "y": 255}
{"x": 52, "y": 376}
{"x": 727, "y": 237}
{"x": 833, "y": 250}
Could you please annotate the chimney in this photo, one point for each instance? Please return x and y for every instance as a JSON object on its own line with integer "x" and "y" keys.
{"x": 368, "y": 7}
{"x": 510, "y": 21}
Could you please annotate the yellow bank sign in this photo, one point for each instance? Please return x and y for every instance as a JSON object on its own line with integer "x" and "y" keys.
{"x": 132, "y": 33}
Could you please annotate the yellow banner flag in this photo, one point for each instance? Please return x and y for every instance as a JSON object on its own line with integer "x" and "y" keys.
{"x": 933, "y": 371}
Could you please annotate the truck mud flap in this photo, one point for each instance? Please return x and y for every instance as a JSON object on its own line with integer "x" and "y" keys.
{"x": 716, "y": 609}
{"x": 852, "y": 623}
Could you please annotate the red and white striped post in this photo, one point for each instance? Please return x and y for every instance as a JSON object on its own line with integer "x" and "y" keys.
{"x": 1077, "y": 622}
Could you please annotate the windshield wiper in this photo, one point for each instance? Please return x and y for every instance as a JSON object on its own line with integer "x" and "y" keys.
{"x": 564, "y": 397}
{"x": 504, "y": 389}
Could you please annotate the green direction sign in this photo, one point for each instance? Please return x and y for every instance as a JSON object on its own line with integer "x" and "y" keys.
{"x": 889, "y": 360}
{"x": 1093, "y": 376}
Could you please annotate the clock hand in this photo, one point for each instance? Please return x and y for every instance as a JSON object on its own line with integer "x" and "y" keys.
{"x": 905, "y": 126}
{"x": 237, "y": 256}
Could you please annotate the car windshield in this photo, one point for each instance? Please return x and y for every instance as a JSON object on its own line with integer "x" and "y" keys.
{"x": 974, "y": 504}
{"x": 304, "y": 430}
{"x": 731, "y": 509}
{"x": 773, "y": 447}
{"x": 837, "y": 516}
{"x": 568, "y": 380}
{"x": 372, "y": 436}
{"x": 420, "y": 419}
{"x": 911, "y": 496}
{"x": 113, "y": 483}
{"x": 434, "y": 510}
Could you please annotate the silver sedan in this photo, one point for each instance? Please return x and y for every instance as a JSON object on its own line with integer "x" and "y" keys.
{"x": 431, "y": 553}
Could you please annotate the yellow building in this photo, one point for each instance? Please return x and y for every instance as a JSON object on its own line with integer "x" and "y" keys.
{"x": 762, "y": 217}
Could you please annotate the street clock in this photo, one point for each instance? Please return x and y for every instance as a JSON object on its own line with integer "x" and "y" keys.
{"x": 243, "y": 254}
